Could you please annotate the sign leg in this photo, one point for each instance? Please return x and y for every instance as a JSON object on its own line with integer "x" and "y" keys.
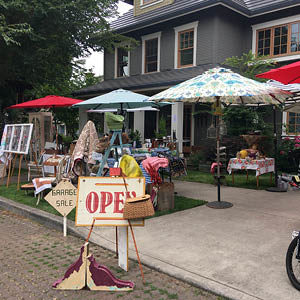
{"x": 65, "y": 225}
{"x": 123, "y": 247}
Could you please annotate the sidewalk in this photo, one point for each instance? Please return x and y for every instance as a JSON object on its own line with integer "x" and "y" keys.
{"x": 237, "y": 252}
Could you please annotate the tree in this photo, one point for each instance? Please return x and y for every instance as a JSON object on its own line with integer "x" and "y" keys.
{"x": 58, "y": 32}
{"x": 241, "y": 120}
{"x": 9, "y": 33}
{"x": 41, "y": 41}
{"x": 250, "y": 65}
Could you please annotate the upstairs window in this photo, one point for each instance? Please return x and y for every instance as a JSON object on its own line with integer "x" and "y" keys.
{"x": 185, "y": 45}
{"x": 151, "y": 47}
{"x": 295, "y": 37}
{"x": 279, "y": 40}
{"x": 151, "y": 52}
{"x": 185, "y": 48}
{"x": 122, "y": 62}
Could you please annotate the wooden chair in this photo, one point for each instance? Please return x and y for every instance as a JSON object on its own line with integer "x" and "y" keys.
{"x": 36, "y": 167}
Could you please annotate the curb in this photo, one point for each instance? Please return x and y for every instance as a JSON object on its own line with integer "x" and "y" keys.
{"x": 56, "y": 222}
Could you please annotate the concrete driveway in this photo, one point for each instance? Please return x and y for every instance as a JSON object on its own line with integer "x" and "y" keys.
{"x": 237, "y": 252}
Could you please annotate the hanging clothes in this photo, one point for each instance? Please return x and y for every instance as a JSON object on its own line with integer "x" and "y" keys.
{"x": 84, "y": 147}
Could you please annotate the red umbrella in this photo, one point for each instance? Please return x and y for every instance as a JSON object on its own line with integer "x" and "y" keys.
{"x": 287, "y": 74}
{"x": 48, "y": 101}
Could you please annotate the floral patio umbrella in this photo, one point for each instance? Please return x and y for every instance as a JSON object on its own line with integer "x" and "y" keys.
{"x": 229, "y": 87}
{"x": 220, "y": 85}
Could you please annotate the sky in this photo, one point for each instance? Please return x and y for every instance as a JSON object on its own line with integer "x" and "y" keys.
{"x": 95, "y": 61}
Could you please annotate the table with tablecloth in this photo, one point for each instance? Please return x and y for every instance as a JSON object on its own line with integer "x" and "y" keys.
{"x": 261, "y": 166}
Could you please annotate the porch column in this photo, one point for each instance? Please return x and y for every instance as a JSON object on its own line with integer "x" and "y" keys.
{"x": 83, "y": 118}
{"x": 139, "y": 123}
{"x": 177, "y": 123}
{"x": 105, "y": 128}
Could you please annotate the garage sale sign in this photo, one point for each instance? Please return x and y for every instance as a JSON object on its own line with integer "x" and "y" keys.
{"x": 63, "y": 197}
{"x": 103, "y": 198}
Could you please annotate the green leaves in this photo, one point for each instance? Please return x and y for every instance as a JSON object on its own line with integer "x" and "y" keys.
{"x": 250, "y": 65}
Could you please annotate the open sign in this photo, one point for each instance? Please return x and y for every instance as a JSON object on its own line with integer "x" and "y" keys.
{"x": 103, "y": 198}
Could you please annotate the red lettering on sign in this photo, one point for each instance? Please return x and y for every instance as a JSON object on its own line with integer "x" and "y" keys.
{"x": 117, "y": 200}
{"x": 133, "y": 194}
{"x": 106, "y": 200}
{"x": 92, "y": 202}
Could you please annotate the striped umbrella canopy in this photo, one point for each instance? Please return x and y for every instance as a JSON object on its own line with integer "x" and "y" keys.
{"x": 224, "y": 85}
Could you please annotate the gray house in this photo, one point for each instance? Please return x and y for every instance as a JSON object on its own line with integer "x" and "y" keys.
{"x": 180, "y": 39}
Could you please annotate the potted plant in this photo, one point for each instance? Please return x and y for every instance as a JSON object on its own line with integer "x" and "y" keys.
{"x": 135, "y": 137}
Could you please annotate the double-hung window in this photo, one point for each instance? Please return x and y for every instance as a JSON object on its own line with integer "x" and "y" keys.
{"x": 151, "y": 53}
{"x": 122, "y": 62}
{"x": 185, "y": 48}
{"x": 185, "y": 45}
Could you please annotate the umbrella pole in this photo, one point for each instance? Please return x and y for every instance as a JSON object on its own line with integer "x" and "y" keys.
{"x": 218, "y": 160}
{"x": 218, "y": 204}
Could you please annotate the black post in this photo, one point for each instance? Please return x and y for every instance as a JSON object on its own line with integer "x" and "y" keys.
{"x": 276, "y": 188}
{"x": 218, "y": 204}
{"x": 275, "y": 146}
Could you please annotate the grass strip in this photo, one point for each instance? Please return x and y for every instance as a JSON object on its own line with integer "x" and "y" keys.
{"x": 240, "y": 179}
{"x": 180, "y": 203}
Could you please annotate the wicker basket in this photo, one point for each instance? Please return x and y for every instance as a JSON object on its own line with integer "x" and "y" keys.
{"x": 138, "y": 208}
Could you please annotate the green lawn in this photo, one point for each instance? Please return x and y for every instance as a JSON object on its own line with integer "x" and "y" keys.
{"x": 240, "y": 179}
{"x": 181, "y": 203}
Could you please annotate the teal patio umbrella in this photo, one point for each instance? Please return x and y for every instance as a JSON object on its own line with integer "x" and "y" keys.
{"x": 220, "y": 85}
{"x": 118, "y": 99}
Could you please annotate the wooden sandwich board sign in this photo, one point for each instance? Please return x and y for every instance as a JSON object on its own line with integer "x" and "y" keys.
{"x": 102, "y": 199}
{"x": 63, "y": 199}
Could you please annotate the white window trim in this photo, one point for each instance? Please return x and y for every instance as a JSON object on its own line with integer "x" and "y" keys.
{"x": 116, "y": 63}
{"x": 150, "y": 37}
{"x": 193, "y": 25}
{"x": 257, "y": 27}
{"x": 142, "y": 5}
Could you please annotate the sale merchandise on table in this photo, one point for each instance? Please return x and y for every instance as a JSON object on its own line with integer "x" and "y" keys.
{"x": 261, "y": 166}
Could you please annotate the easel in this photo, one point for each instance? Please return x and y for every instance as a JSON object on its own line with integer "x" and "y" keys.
{"x": 10, "y": 163}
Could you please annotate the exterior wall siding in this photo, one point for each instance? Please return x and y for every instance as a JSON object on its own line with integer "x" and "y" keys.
{"x": 140, "y": 9}
{"x": 232, "y": 35}
{"x": 136, "y": 60}
{"x": 109, "y": 65}
{"x": 221, "y": 33}
{"x": 167, "y": 46}
{"x": 205, "y": 42}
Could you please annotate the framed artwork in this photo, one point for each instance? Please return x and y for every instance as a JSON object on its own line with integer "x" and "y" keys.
{"x": 16, "y": 138}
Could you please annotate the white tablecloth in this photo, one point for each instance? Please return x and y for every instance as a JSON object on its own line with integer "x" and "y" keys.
{"x": 261, "y": 166}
